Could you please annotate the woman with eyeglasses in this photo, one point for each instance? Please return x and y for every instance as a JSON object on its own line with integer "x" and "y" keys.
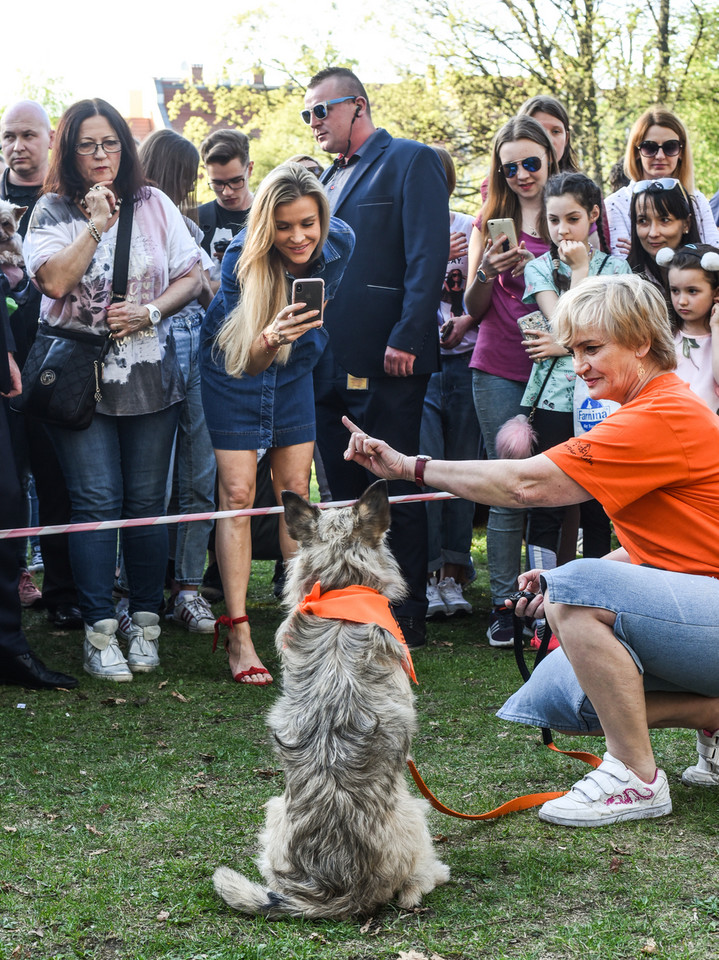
{"x": 522, "y": 160}
{"x": 118, "y": 466}
{"x": 658, "y": 147}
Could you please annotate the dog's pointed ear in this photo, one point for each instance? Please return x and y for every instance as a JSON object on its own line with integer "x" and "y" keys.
{"x": 20, "y": 212}
{"x": 300, "y": 516}
{"x": 372, "y": 510}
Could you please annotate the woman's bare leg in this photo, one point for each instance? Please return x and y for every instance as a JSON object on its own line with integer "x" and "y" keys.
{"x": 236, "y": 475}
{"x": 291, "y": 468}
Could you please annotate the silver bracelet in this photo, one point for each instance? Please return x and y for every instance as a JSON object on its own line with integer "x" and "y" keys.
{"x": 94, "y": 232}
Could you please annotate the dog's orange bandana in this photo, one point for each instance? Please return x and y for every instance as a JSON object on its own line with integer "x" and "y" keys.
{"x": 358, "y": 605}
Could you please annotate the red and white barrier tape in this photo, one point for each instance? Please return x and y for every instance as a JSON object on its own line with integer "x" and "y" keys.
{"x": 190, "y": 517}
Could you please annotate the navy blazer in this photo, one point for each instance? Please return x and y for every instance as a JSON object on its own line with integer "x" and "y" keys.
{"x": 397, "y": 204}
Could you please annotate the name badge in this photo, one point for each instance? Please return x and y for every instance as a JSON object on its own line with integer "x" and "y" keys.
{"x": 357, "y": 383}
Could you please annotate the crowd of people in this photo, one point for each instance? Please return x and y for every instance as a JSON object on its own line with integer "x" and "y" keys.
{"x": 569, "y": 332}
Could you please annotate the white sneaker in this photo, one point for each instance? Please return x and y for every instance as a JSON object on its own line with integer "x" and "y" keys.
{"x": 609, "y": 794}
{"x": 705, "y": 773}
{"x": 194, "y": 613}
{"x": 451, "y": 593}
{"x": 435, "y": 603}
{"x": 102, "y": 658}
{"x": 142, "y": 638}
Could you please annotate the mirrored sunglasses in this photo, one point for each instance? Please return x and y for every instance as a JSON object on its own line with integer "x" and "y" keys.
{"x": 670, "y": 148}
{"x": 321, "y": 110}
{"x": 531, "y": 164}
{"x": 657, "y": 186}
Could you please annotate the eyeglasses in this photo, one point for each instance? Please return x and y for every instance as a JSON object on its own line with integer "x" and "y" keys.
{"x": 88, "y": 148}
{"x": 321, "y": 110}
{"x": 657, "y": 186}
{"x": 235, "y": 183}
{"x": 531, "y": 164}
{"x": 670, "y": 148}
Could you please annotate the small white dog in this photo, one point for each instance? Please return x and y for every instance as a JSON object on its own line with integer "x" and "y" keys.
{"x": 11, "y": 258}
{"x": 346, "y": 836}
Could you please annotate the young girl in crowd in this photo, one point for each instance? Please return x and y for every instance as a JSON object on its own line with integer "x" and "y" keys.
{"x": 522, "y": 159}
{"x": 573, "y": 208}
{"x": 550, "y": 113}
{"x": 662, "y": 215}
{"x": 693, "y": 279}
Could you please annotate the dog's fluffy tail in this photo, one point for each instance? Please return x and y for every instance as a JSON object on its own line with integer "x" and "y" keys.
{"x": 242, "y": 894}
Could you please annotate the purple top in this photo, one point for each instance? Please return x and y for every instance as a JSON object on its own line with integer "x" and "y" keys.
{"x": 499, "y": 349}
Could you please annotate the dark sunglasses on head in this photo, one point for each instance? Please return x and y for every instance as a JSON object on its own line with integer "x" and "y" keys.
{"x": 321, "y": 110}
{"x": 670, "y": 148}
{"x": 531, "y": 164}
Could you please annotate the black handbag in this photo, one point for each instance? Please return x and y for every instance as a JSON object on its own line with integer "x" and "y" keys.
{"x": 62, "y": 376}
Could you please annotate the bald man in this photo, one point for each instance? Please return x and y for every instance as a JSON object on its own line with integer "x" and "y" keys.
{"x": 26, "y": 136}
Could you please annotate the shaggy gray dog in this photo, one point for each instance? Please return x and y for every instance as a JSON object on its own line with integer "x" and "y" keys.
{"x": 346, "y": 836}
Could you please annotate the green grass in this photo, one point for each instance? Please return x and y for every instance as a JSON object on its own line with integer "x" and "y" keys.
{"x": 117, "y": 801}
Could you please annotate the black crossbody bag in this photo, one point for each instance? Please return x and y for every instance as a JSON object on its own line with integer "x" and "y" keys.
{"x": 62, "y": 376}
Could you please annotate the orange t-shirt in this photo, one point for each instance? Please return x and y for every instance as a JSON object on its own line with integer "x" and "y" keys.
{"x": 654, "y": 466}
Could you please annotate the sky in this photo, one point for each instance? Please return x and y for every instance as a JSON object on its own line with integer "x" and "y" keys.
{"x": 99, "y": 50}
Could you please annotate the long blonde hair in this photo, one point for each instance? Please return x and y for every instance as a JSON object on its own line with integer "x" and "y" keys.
{"x": 501, "y": 200}
{"x": 263, "y": 287}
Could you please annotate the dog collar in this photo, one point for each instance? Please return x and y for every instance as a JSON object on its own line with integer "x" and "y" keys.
{"x": 358, "y": 605}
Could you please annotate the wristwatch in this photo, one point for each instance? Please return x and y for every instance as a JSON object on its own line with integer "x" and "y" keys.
{"x": 420, "y": 462}
{"x": 482, "y": 276}
{"x": 155, "y": 315}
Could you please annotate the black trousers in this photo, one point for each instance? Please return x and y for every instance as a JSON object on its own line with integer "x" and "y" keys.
{"x": 33, "y": 448}
{"x": 391, "y": 409}
{"x": 12, "y": 639}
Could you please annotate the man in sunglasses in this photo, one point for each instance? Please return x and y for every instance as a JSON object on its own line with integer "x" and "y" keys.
{"x": 382, "y": 323}
{"x": 226, "y": 156}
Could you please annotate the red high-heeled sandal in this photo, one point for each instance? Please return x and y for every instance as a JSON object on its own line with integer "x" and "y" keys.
{"x": 242, "y": 675}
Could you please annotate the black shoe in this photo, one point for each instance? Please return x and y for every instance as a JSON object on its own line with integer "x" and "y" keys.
{"x": 414, "y": 630}
{"x": 211, "y": 586}
{"x": 67, "y": 616}
{"x": 278, "y": 579}
{"x": 27, "y": 670}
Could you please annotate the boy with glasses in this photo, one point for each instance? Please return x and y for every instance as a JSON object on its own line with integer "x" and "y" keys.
{"x": 226, "y": 156}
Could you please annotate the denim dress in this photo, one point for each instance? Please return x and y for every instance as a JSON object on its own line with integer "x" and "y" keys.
{"x": 275, "y": 408}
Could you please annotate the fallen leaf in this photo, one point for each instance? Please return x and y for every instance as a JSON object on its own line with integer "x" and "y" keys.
{"x": 198, "y": 786}
{"x": 614, "y": 864}
{"x": 113, "y": 701}
{"x": 618, "y": 850}
{"x": 93, "y": 830}
{"x": 163, "y": 915}
{"x": 441, "y": 838}
{"x": 10, "y": 829}
{"x": 435, "y": 956}
{"x": 208, "y": 757}
{"x": 96, "y": 853}
{"x": 366, "y": 925}
{"x": 266, "y": 774}
{"x": 650, "y": 946}
{"x": 163, "y": 684}
{"x": 178, "y": 696}
{"x": 411, "y": 955}
{"x": 104, "y": 808}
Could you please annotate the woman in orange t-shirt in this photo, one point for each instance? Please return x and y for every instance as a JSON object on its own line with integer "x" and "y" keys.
{"x": 639, "y": 641}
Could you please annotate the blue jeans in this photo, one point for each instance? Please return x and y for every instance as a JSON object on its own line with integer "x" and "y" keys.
{"x": 117, "y": 468}
{"x": 450, "y": 431}
{"x": 196, "y": 465}
{"x": 496, "y": 400}
{"x": 666, "y": 621}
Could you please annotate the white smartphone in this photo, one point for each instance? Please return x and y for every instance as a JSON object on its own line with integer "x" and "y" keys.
{"x": 311, "y": 292}
{"x": 505, "y": 226}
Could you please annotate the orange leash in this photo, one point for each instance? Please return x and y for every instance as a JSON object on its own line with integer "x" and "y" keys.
{"x": 529, "y": 800}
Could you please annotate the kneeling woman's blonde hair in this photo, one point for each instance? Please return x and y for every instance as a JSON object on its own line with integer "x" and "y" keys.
{"x": 263, "y": 286}
{"x": 624, "y": 309}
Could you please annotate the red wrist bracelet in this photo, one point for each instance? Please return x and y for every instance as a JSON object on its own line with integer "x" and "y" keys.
{"x": 420, "y": 462}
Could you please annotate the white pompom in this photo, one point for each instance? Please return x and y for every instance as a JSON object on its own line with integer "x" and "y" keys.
{"x": 664, "y": 256}
{"x": 710, "y": 261}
